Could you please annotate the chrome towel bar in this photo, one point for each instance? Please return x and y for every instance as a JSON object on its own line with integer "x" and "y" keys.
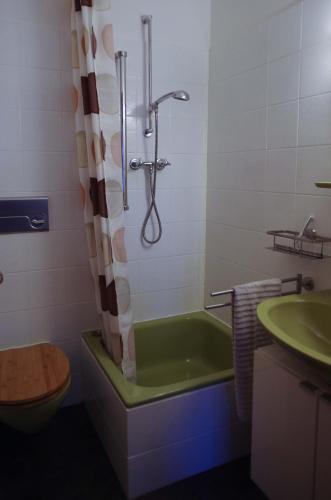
{"x": 302, "y": 282}
{"x": 121, "y": 56}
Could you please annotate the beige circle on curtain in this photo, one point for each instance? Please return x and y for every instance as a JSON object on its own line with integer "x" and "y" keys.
{"x": 119, "y": 246}
{"x": 123, "y": 294}
{"x": 85, "y": 42}
{"x": 107, "y": 40}
{"x": 102, "y": 4}
{"x": 107, "y": 94}
{"x": 115, "y": 146}
{"x": 74, "y": 50}
{"x": 74, "y": 98}
{"x": 114, "y": 199}
{"x": 91, "y": 240}
{"x": 81, "y": 149}
{"x": 96, "y": 149}
{"x": 107, "y": 250}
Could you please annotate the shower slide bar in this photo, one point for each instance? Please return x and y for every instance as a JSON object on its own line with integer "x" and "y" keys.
{"x": 302, "y": 282}
{"x": 147, "y": 21}
{"x": 120, "y": 57}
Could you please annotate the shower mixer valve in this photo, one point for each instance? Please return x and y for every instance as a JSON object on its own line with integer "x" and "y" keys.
{"x": 137, "y": 163}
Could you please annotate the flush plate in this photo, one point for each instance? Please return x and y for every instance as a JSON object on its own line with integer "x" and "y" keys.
{"x": 22, "y": 215}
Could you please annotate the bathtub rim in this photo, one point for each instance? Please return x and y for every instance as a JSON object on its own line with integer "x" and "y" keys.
{"x": 135, "y": 395}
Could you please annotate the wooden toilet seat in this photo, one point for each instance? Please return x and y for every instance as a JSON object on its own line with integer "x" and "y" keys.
{"x": 30, "y": 374}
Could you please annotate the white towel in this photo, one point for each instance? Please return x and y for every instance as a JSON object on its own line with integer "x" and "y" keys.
{"x": 248, "y": 335}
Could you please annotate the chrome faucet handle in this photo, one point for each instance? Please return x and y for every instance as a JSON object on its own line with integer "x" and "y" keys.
{"x": 136, "y": 163}
{"x": 162, "y": 163}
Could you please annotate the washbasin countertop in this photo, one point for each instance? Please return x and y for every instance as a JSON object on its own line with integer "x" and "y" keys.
{"x": 301, "y": 323}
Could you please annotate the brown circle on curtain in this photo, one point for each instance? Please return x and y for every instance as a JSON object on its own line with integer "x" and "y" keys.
{"x": 93, "y": 43}
{"x": 108, "y": 296}
{"x": 119, "y": 246}
{"x": 115, "y": 147}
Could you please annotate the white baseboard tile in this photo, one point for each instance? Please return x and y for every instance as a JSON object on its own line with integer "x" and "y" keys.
{"x": 166, "y": 465}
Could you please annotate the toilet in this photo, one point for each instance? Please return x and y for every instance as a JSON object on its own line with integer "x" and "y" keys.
{"x": 33, "y": 383}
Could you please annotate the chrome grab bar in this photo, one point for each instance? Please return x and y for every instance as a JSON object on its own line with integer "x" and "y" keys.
{"x": 121, "y": 56}
{"x": 147, "y": 20}
{"x": 306, "y": 283}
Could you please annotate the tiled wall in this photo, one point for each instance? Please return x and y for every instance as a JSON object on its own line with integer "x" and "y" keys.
{"x": 269, "y": 136}
{"x": 47, "y": 292}
{"x": 167, "y": 278}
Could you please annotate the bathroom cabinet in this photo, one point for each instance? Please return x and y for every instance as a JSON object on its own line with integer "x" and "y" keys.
{"x": 291, "y": 428}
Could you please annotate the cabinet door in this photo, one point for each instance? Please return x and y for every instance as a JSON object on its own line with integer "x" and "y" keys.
{"x": 283, "y": 434}
{"x": 323, "y": 450}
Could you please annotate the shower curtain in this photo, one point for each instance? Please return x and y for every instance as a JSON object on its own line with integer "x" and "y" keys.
{"x": 96, "y": 106}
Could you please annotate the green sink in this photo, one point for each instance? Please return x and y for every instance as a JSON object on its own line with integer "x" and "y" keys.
{"x": 301, "y": 323}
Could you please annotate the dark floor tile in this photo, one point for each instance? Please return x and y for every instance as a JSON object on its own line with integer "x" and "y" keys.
{"x": 66, "y": 461}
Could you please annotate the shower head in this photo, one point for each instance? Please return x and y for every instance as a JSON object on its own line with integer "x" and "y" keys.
{"x": 181, "y": 95}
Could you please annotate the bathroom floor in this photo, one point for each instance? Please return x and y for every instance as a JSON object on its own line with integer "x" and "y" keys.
{"x": 67, "y": 462}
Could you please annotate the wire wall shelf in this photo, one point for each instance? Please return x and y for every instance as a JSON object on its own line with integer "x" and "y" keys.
{"x": 294, "y": 243}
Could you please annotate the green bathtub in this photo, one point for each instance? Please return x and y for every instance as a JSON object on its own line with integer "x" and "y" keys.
{"x": 174, "y": 355}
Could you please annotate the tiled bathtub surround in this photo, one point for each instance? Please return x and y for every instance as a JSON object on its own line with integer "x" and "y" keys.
{"x": 269, "y": 136}
{"x": 167, "y": 278}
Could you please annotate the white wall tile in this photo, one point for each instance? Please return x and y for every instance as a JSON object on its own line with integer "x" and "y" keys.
{"x": 8, "y": 40}
{"x": 283, "y": 125}
{"x": 12, "y": 254}
{"x": 285, "y": 32}
{"x": 48, "y": 288}
{"x": 315, "y": 120}
{"x": 39, "y": 46}
{"x": 281, "y": 170}
{"x": 316, "y": 70}
{"x": 46, "y": 134}
{"x": 248, "y": 194}
{"x": 14, "y": 292}
{"x": 9, "y": 86}
{"x": 316, "y": 22}
{"x": 15, "y": 328}
{"x": 314, "y": 164}
{"x": 40, "y": 88}
{"x": 284, "y": 79}
{"x": 10, "y": 128}
{"x": 11, "y": 172}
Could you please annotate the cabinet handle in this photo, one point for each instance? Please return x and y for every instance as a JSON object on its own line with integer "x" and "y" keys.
{"x": 326, "y": 396}
{"x": 309, "y": 386}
